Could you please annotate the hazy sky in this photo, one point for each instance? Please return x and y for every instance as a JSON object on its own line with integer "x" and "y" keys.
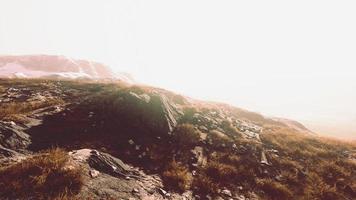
{"x": 294, "y": 59}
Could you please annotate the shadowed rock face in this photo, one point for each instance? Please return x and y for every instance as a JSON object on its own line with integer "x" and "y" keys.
{"x": 155, "y": 110}
{"x": 126, "y": 116}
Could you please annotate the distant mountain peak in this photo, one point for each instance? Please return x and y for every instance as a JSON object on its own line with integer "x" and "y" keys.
{"x": 53, "y": 66}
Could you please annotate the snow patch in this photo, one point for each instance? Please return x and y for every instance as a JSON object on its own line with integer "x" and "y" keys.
{"x": 15, "y": 70}
{"x": 34, "y": 66}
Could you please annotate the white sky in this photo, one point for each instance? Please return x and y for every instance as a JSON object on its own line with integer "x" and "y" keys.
{"x": 294, "y": 59}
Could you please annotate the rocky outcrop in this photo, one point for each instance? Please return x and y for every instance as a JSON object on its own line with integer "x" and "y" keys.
{"x": 107, "y": 177}
{"x": 153, "y": 111}
{"x": 168, "y": 112}
{"x": 106, "y": 163}
{"x": 12, "y": 136}
{"x": 5, "y": 152}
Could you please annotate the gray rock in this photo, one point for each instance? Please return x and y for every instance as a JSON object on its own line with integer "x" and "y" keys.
{"x": 199, "y": 159}
{"x": 143, "y": 97}
{"x": 264, "y": 160}
{"x": 163, "y": 192}
{"x": 5, "y": 152}
{"x": 240, "y": 197}
{"x": 94, "y": 173}
{"x": 226, "y": 192}
{"x": 108, "y": 164}
{"x": 12, "y": 136}
{"x": 204, "y": 129}
{"x": 131, "y": 142}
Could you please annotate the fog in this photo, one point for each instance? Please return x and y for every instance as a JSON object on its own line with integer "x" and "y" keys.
{"x": 280, "y": 58}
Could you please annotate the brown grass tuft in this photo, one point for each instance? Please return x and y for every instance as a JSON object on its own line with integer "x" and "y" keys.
{"x": 274, "y": 189}
{"x": 10, "y": 110}
{"x": 202, "y": 184}
{"x": 186, "y": 135}
{"x": 219, "y": 139}
{"x": 43, "y": 176}
{"x": 177, "y": 177}
{"x": 219, "y": 172}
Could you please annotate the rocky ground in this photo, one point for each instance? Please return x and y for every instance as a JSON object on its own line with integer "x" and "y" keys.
{"x": 138, "y": 142}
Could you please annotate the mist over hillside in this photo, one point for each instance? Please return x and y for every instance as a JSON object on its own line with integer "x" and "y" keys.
{"x": 341, "y": 130}
{"x": 62, "y": 67}
{"x": 177, "y": 100}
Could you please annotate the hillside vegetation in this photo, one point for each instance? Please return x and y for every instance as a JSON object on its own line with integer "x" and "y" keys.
{"x": 211, "y": 149}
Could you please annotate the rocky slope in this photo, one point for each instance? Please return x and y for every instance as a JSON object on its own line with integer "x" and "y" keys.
{"x": 139, "y": 142}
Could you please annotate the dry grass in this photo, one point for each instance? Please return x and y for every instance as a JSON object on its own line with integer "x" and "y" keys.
{"x": 43, "y": 176}
{"x": 307, "y": 167}
{"x": 177, "y": 177}
{"x": 331, "y": 172}
{"x": 186, "y": 135}
{"x": 303, "y": 145}
{"x": 230, "y": 129}
{"x": 10, "y": 110}
{"x": 224, "y": 170}
{"x": 320, "y": 158}
{"x": 2, "y": 89}
{"x": 202, "y": 184}
{"x": 273, "y": 189}
{"x": 317, "y": 189}
{"x": 220, "y": 172}
{"x": 219, "y": 139}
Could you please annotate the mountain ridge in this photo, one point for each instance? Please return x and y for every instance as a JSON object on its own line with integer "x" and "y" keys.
{"x": 47, "y": 66}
